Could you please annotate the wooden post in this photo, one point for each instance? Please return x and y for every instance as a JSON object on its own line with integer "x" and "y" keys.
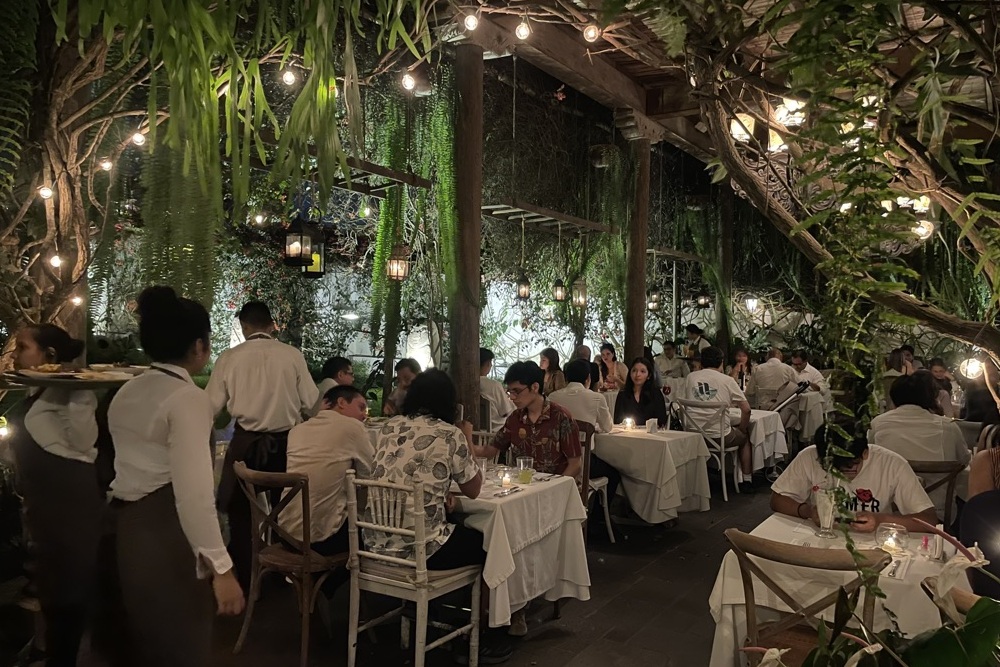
{"x": 638, "y": 239}
{"x": 724, "y": 301}
{"x": 464, "y": 309}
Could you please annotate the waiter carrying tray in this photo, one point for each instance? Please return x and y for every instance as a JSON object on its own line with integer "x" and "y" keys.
{"x": 266, "y": 387}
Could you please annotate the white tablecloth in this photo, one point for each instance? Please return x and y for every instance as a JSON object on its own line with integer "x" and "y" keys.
{"x": 610, "y": 397}
{"x": 767, "y": 435}
{"x": 534, "y": 544}
{"x": 811, "y": 407}
{"x": 663, "y": 473}
{"x": 914, "y": 610}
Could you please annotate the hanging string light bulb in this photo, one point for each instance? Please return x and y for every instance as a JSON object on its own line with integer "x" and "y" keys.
{"x": 971, "y": 368}
{"x": 106, "y": 164}
{"x": 409, "y": 82}
{"x": 259, "y": 218}
{"x": 471, "y": 22}
{"x": 45, "y": 192}
{"x": 592, "y": 33}
{"x": 288, "y": 77}
{"x": 55, "y": 261}
{"x": 77, "y": 301}
{"x": 523, "y": 30}
{"x": 138, "y": 138}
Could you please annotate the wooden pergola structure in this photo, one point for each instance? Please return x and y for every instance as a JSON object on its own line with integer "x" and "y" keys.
{"x": 628, "y": 70}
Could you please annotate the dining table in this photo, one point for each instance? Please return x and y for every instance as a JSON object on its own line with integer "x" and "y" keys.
{"x": 663, "y": 473}
{"x": 811, "y": 409}
{"x": 767, "y": 435}
{"x": 904, "y": 599}
{"x": 534, "y": 542}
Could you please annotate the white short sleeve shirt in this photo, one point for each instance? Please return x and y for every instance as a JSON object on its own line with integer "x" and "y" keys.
{"x": 711, "y": 386}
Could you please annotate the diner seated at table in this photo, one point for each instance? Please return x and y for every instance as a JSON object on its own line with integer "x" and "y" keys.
{"x": 917, "y": 431}
{"x": 806, "y": 372}
{"x": 668, "y": 364}
{"x": 908, "y": 356}
{"x": 712, "y": 385}
{"x": 538, "y": 427}
{"x": 613, "y": 372}
{"x": 584, "y": 352}
{"x": 586, "y": 406}
{"x": 324, "y": 449}
{"x": 406, "y": 370}
{"x": 943, "y": 380}
{"x": 742, "y": 368}
{"x": 778, "y": 381}
{"x": 881, "y": 486}
{"x": 336, "y": 371}
{"x": 548, "y": 361}
{"x": 493, "y": 392}
{"x": 984, "y": 472}
{"x": 641, "y": 400}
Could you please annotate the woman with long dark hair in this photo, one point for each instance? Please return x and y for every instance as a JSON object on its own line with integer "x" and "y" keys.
{"x": 54, "y": 448}
{"x": 742, "y": 367}
{"x": 613, "y": 372}
{"x": 171, "y": 557}
{"x": 640, "y": 400}
{"x": 548, "y": 361}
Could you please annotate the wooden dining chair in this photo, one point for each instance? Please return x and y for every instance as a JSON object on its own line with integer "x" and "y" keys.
{"x": 717, "y": 448}
{"x": 590, "y": 487}
{"x": 394, "y": 509}
{"x": 294, "y": 559}
{"x": 949, "y": 471}
{"x": 797, "y": 630}
{"x": 961, "y": 601}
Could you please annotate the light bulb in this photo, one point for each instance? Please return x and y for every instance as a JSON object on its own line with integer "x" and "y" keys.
{"x": 752, "y": 303}
{"x": 523, "y": 30}
{"x": 924, "y": 229}
{"x": 409, "y": 83}
{"x": 259, "y": 218}
{"x": 922, "y": 204}
{"x": 76, "y": 300}
{"x": 4, "y": 430}
{"x": 591, "y": 33}
{"x": 288, "y": 77}
{"x": 846, "y": 206}
{"x": 106, "y": 164}
{"x": 56, "y": 261}
{"x": 471, "y": 22}
{"x": 350, "y": 317}
{"x": 366, "y": 211}
{"x": 971, "y": 368}
{"x": 138, "y": 138}
{"x": 45, "y": 192}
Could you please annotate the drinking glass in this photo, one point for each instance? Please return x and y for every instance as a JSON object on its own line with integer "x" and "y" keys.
{"x": 826, "y": 505}
{"x": 525, "y": 469}
{"x": 482, "y": 463}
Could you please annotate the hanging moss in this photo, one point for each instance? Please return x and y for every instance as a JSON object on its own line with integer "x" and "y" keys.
{"x": 442, "y": 142}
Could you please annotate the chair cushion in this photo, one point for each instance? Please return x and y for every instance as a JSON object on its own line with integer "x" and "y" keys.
{"x": 406, "y": 574}
{"x": 277, "y": 557}
{"x": 800, "y": 640}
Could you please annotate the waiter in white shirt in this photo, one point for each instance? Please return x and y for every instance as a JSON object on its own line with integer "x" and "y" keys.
{"x": 669, "y": 364}
{"x": 266, "y": 387}
{"x": 500, "y": 403}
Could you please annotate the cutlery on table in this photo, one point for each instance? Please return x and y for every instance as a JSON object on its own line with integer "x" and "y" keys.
{"x": 894, "y": 568}
{"x": 506, "y": 492}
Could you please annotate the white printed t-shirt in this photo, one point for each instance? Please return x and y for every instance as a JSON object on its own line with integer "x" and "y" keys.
{"x": 711, "y": 386}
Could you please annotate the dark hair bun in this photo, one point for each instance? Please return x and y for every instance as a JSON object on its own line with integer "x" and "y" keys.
{"x": 51, "y": 337}
{"x": 169, "y": 324}
{"x": 158, "y": 303}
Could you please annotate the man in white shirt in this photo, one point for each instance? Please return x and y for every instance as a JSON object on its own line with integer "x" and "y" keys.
{"x": 880, "y": 485}
{"x": 324, "y": 449}
{"x": 668, "y": 364}
{"x": 914, "y": 432}
{"x": 584, "y": 352}
{"x": 806, "y": 372}
{"x": 336, "y": 371}
{"x": 712, "y": 385}
{"x": 500, "y": 404}
{"x": 587, "y": 406}
{"x": 773, "y": 382}
{"x": 265, "y": 386}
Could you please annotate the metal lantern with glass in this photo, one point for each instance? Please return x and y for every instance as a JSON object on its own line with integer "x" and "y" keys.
{"x": 398, "y": 266}
{"x": 298, "y": 243}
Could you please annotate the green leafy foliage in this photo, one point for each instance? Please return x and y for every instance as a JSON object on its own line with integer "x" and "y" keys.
{"x": 17, "y": 67}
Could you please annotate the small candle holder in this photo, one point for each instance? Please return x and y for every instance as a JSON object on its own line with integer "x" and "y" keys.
{"x": 892, "y": 537}
{"x": 628, "y": 423}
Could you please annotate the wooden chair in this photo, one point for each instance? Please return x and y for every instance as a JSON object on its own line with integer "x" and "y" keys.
{"x": 485, "y": 406}
{"x": 295, "y": 560}
{"x": 394, "y": 509}
{"x": 950, "y": 471}
{"x": 963, "y": 601}
{"x": 797, "y": 630}
{"x": 588, "y": 486}
{"x": 717, "y": 448}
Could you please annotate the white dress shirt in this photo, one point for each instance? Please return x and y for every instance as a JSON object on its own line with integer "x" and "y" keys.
{"x": 585, "y": 405}
{"x": 264, "y": 384}
{"x": 671, "y": 368}
{"x": 62, "y": 422}
{"x": 500, "y": 404}
{"x": 811, "y": 375}
{"x": 161, "y": 427}
{"x": 771, "y": 375}
{"x": 711, "y": 386}
{"x": 324, "y": 449}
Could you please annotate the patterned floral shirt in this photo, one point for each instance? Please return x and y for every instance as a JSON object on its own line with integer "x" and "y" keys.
{"x": 551, "y": 441}
{"x": 420, "y": 450}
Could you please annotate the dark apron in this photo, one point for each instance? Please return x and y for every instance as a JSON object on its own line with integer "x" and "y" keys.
{"x": 169, "y": 609}
{"x": 266, "y": 452}
{"x": 63, "y": 510}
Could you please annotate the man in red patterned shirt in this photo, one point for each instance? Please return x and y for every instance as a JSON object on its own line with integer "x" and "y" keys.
{"x": 537, "y": 428}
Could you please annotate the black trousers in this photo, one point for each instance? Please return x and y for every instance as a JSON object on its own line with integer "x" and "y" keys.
{"x": 601, "y": 468}
{"x": 464, "y": 547}
{"x": 267, "y": 452}
{"x": 63, "y": 510}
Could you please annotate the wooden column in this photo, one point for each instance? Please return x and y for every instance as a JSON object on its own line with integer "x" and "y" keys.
{"x": 463, "y": 312}
{"x": 638, "y": 240}
{"x": 724, "y": 300}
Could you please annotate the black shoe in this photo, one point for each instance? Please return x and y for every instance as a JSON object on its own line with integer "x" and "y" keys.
{"x": 491, "y": 653}
{"x": 746, "y": 487}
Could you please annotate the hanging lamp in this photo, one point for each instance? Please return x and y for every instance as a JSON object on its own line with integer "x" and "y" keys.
{"x": 523, "y": 284}
{"x": 298, "y": 243}
{"x": 558, "y": 288}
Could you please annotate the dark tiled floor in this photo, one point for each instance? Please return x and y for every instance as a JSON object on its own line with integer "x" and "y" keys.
{"x": 648, "y": 606}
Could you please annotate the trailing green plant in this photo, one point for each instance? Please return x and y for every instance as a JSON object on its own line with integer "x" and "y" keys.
{"x": 17, "y": 66}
